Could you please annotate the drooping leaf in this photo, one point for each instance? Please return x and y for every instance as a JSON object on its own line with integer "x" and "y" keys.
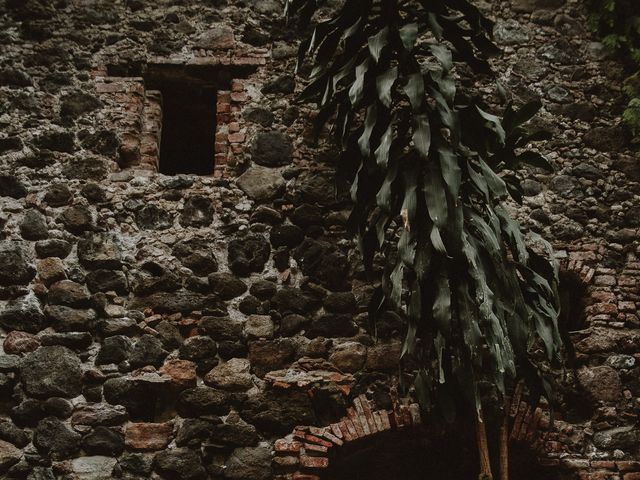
{"x": 384, "y": 83}
{"x": 408, "y": 35}
{"x": 377, "y": 42}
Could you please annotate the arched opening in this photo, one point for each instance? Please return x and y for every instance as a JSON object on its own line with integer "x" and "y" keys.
{"x": 419, "y": 454}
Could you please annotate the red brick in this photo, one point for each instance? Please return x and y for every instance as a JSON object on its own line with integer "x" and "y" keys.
{"x": 239, "y": 97}
{"x": 318, "y": 440}
{"x": 632, "y": 476}
{"x": 305, "y": 476}
{"x": 285, "y": 446}
{"x": 313, "y": 462}
{"x": 236, "y": 137}
{"x": 628, "y": 466}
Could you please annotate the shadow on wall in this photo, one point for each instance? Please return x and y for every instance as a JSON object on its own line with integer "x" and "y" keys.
{"x": 416, "y": 455}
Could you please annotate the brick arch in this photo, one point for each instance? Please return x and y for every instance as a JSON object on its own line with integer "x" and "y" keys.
{"x": 304, "y": 454}
{"x": 306, "y": 450}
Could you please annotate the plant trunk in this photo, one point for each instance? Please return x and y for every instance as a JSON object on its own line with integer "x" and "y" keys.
{"x": 504, "y": 448}
{"x": 483, "y": 448}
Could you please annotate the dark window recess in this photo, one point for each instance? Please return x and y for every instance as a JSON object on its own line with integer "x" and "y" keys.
{"x": 573, "y": 301}
{"x": 188, "y": 129}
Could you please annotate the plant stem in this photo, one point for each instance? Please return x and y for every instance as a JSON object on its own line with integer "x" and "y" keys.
{"x": 483, "y": 448}
{"x": 504, "y": 448}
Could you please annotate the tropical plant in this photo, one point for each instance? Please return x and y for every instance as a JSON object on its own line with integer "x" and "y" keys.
{"x": 430, "y": 169}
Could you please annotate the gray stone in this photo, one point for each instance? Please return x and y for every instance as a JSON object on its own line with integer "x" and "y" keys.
{"x": 98, "y": 414}
{"x": 226, "y": 286}
{"x": 197, "y": 212}
{"x": 15, "y": 267}
{"x": 100, "y": 251}
{"x": 249, "y": 463}
{"x": 621, "y": 361}
{"x": 232, "y": 375}
{"x": 52, "y": 371}
{"x": 619, "y": 437}
{"x": 9, "y": 455}
{"x": 601, "y": 383}
{"x": 261, "y": 183}
{"x": 219, "y": 36}
{"x": 23, "y": 314}
{"x": 68, "y": 293}
{"x": 54, "y": 438}
{"x": 259, "y": 326}
{"x": 67, "y": 319}
{"x": 271, "y": 149}
{"x": 180, "y": 463}
{"x": 93, "y": 467}
{"x": 510, "y": 32}
{"x": 528, "y": 6}
{"x": 33, "y": 226}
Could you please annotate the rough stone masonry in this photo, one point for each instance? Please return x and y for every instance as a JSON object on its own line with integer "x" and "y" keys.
{"x": 192, "y": 327}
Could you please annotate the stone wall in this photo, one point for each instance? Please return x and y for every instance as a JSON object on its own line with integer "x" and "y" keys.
{"x": 199, "y": 327}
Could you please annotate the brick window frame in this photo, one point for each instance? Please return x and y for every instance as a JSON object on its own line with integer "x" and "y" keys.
{"x": 136, "y": 112}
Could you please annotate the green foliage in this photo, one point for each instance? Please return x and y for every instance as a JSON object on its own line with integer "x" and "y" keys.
{"x": 618, "y": 22}
{"x": 429, "y": 172}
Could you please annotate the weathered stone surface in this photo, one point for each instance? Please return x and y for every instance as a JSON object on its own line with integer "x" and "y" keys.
{"x": 23, "y": 313}
{"x": 197, "y": 255}
{"x": 261, "y": 183}
{"x": 148, "y": 436}
{"x": 528, "y": 6}
{"x": 51, "y": 371}
{"x": 279, "y": 412}
{"x": 349, "y": 356}
{"x": 294, "y": 300}
{"x": 98, "y": 414}
{"x": 51, "y": 270}
{"x": 232, "y": 375}
{"x": 601, "y": 383}
{"x": 221, "y": 328}
{"x": 53, "y": 247}
{"x": 226, "y": 285}
{"x": 33, "y": 226}
{"x": 10, "y": 186}
{"x": 114, "y": 350}
{"x": 147, "y": 351}
{"x": 15, "y": 267}
{"x": 619, "y": 437}
{"x": 266, "y": 355}
{"x": 77, "y": 219}
{"x": 201, "y": 350}
{"x": 197, "y": 212}
{"x": 235, "y": 432}
{"x": 152, "y": 217}
{"x": 107, "y": 281}
{"x": 103, "y": 441}
{"x": 332, "y": 326}
{"x": 383, "y": 356}
{"x": 9, "y": 455}
{"x": 248, "y": 254}
{"x": 67, "y": 319}
{"x": 193, "y": 431}
{"x": 180, "y": 463}
{"x": 68, "y": 293}
{"x": 178, "y": 301}
{"x": 249, "y": 464}
{"x": 218, "y": 36}
{"x": 198, "y": 401}
{"x": 54, "y": 438}
{"x": 94, "y": 467}
{"x": 259, "y": 326}
{"x": 181, "y": 372}
{"x": 100, "y": 251}
{"x": 17, "y": 342}
{"x": 271, "y": 149}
